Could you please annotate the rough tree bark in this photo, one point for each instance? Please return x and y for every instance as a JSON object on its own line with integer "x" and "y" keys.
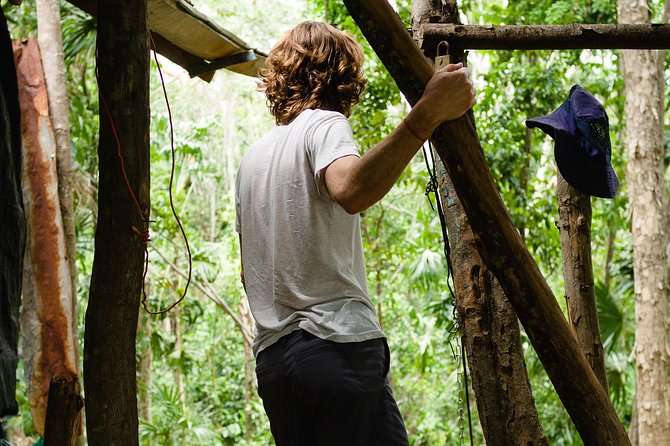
{"x": 574, "y": 225}
{"x": 489, "y": 327}
{"x": 498, "y": 241}
{"x": 12, "y": 222}
{"x": 63, "y": 418}
{"x": 644, "y": 142}
{"x": 492, "y": 339}
{"x": 549, "y": 37}
{"x": 46, "y": 317}
{"x": 116, "y": 281}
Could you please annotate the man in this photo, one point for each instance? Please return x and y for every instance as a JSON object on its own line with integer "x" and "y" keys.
{"x": 322, "y": 358}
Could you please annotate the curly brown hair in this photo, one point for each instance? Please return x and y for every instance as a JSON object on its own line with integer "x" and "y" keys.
{"x": 314, "y": 65}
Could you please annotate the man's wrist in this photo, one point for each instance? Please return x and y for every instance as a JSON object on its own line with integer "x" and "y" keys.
{"x": 420, "y": 122}
{"x": 415, "y": 133}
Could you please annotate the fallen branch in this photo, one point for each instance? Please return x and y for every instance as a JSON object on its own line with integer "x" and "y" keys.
{"x": 211, "y": 295}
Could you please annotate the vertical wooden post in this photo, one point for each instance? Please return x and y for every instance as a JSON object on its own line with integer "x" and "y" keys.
{"x": 574, "y": 224}
{"x": 63, "y": 418}
{"x": 489, "y": 327}
{"x": 116, "y": 281}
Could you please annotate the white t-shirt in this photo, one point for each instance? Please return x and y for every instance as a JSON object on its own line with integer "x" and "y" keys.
{"x": 301, "y": 251}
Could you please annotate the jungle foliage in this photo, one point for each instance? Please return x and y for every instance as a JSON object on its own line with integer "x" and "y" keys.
{"x": 192, "y": 361}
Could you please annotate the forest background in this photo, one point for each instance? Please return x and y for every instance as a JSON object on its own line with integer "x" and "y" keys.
{"x": 195, "y": 375}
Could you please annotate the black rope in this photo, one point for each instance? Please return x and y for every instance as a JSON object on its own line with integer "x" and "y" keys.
{"x": 465, "y": 390}
{"x": 433, "y": 187}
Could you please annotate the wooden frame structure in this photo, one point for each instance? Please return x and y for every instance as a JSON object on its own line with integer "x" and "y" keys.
{"x": 498, "y": 241}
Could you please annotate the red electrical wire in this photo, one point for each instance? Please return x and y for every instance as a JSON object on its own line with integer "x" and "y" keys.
{"x": 144, "y": 233}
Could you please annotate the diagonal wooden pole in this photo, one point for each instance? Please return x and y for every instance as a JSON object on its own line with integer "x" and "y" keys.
{"x": 498, "y": 241}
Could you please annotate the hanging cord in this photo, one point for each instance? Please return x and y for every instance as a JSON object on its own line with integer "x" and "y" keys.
{"x": 144, "y": 233}
{"x": 432, "y": 187}
{"x": 458, "y": 353}
{"x": 174, "y": 211}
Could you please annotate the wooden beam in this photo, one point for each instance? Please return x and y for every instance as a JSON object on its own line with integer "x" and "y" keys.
{"x": 180, "y": 57}
{"x": 545, "y": 37}
{"x": 498, "y": 241}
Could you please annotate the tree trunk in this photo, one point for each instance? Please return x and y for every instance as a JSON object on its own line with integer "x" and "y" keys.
{"x": 489, "y": 327}
{"x": 55, "y": 75}
{"x": 116, "y": 280}
{"x": 12, "y": 222}
{"x": 644, "y": 142}
{"x": 609, "y": 256}
{"x": 574, "y": 225}
{"x": 498, "y": 241}
{"x": 46, "y": 317}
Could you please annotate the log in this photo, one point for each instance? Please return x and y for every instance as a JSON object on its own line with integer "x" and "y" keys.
{"x": 574, "y": 225}
{"x": 63, "y": 419}
{"x": 492, "y": 339}
{"x": 498, "y": 241}
{"x": 545, "y": 37}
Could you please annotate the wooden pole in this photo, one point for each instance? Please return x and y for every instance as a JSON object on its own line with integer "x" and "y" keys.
{"x": 545, "y": 37}
{"x": 116, "y": 281}
{"x": 63, "y": 418}
{"x": 489, "y": 327}
{"x": 498, "y": 241}
{"x": 574, "y": 225}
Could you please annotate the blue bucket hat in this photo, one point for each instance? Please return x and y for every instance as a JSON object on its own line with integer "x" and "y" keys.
{"x": 580, "y": 129}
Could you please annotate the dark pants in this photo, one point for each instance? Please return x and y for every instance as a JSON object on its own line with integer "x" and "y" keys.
{"x": 324, "y": 393}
